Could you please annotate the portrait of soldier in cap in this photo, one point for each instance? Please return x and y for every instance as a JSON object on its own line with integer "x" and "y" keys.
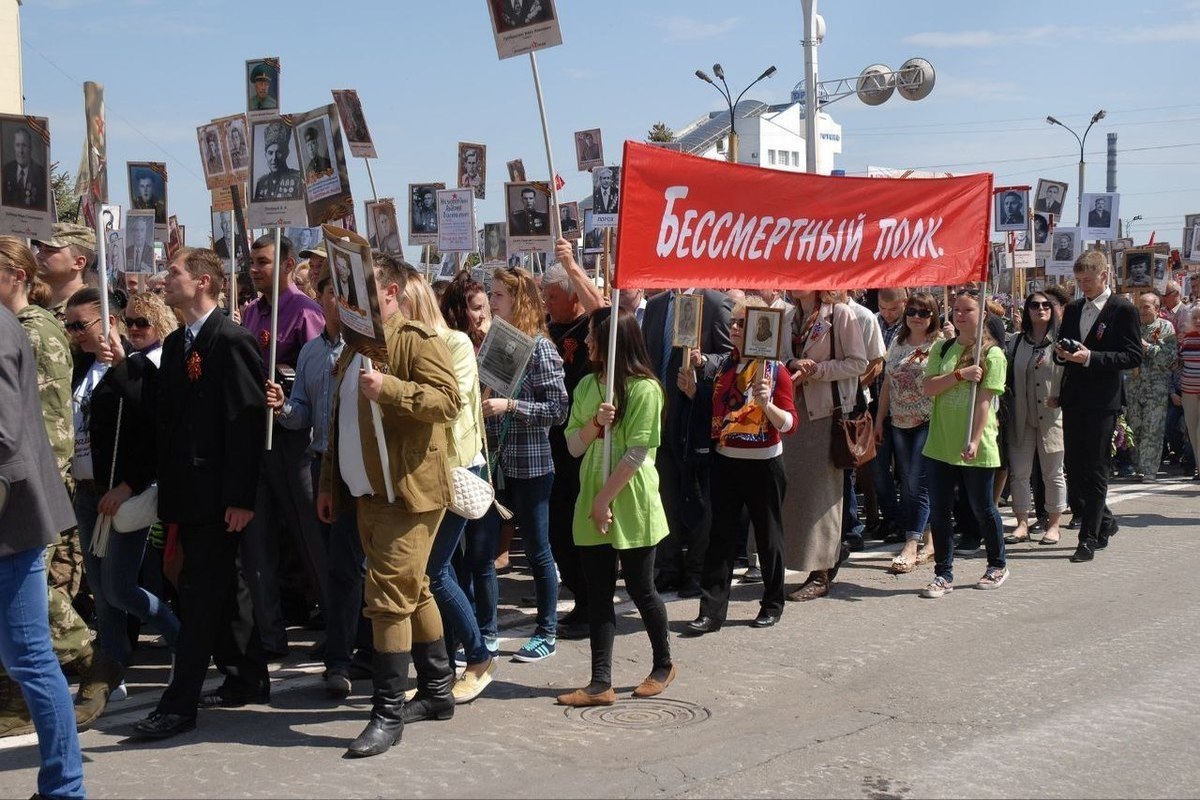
{"x": 281, "y": 182}
{"x": 239, "y": 153}
{"x": 317, "y": 163}
{"x": 213, "y": 164}
{"x": 149, "y": 192}
{"x": 264, "y": 92}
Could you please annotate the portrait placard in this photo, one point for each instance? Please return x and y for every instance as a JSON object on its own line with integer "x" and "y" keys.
{"x": 1139, "y": 269}
{"x": 26, "y": 198}
{"x": 495, "y": 245}
{"x": 114, "y": 253}
{"x": 1011, "y": 210}
{"x": 354, "y": 288}
{"x": 522, "y": 26}
{"x": 174, "y": 237}
{"x": 503, "y": 357}
{"x": 689, "y": 308}
{"x": 422, "y": 213}
{"x": 226, "y": 241}
{"x": 472, "y": 168}
{"x": 606, "y": 192}
{"x": 593, "y": 237}
{"x": 1193, "y": 249}
{"x": 262, "y": 89}
{"x": 456, "y": 220}
{"x": 277, "y": 200}
{"x": 589, "y": 150}
{"x": 97, "y": 143}
{"x": 1190, "y": 251}
{"x": 235, "y": 145}
{"x": 358, "y": 137}
{"x": 568, "y": 220}
{"x": 1042, "y": 225}
{"x": 763, "y": 333}
{"x": 326, "y": 179}
{"x": 383, "y": 231}
{"x": 110, "y": 224}
{"x": 305, "y": 238}
{"x": 1050, "y": 197}
{"x": 139, "y": 242}
{"x": 527, "y": 205}
{"x": 148, "y": 191}
{"x": 516, "y": 170}
{"x": 1100, "y": 215}
{"x": 214, "y": 155}
{"x": 1064, "y": 249}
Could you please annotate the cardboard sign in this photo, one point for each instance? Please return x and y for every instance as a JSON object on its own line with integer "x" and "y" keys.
{"x": 456, "y": 220}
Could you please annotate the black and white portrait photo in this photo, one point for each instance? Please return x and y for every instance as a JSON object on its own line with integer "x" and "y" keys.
{"x": 354, "y": 124}
{"x": 1049, "y": 198}
{"x": 523, "y": 25}
{"x": 606, "y": 191}
{"x": 24, "y": 180}
{"x": 238, "y": 144}
{"x": 495, "y": 247}
{"x": 1011, "y": 205}
{"x": 1041, "y": 228}
{"x": 148, "y": 187}
{"x": 1139, "y": 265}
{"x": 1064, "y": 247}
{"x": 516, "y": 170}
{"x": 382, "y": 231}
{"x": 593, "y": 237}
{"x": 262, "y": 88}
{"x": 422, "y": 213}
{"x": 225, "y": 241}
{"x": 1100, "y": 214}
{"x": 276, "y": 168}
{"x": 212, "y": 157}
{"x": 472, "y": 168}
{"x": 688, "y": 311}
{"x": 503, "y": 356}
{"x": 528, "y": 207}
{"x": 763, "y": 334}
{"x": 343, "y": 280}
{"x": 588, "y": 150}
{"x": 568, "y": 217}
{"x": 139, "y": 242}
{"x": 1190, "y": 251}
{"x": 317, "y": 165}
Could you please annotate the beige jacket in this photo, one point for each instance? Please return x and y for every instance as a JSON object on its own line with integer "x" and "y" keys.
{"x": 844, "y": 366}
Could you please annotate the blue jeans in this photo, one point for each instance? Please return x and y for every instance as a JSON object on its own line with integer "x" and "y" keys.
{"x": 907, "y": 444}
{"x": 851, "y": 525}
{"x": 29, "y": 660}
{"x": 885, "y": 484}
{"x": 978, "y": 483}
{"x": 458, "y": 617}
{"x": 529, "y": 500}
{"x": 114, "y": 582}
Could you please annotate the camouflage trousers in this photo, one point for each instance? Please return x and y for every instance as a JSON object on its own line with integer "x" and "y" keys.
{"x": 69, "y": 634}
{"x": 65, "y": 568}
{"x": 1146, "y": 413}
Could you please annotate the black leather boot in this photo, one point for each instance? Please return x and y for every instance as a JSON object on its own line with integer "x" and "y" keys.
{"x": 387, "y": 707}
{"x": 435, "y": 679}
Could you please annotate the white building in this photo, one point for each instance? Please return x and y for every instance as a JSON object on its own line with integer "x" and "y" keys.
{"x": 11, "y": 93}
{"x": 768, "y": 136}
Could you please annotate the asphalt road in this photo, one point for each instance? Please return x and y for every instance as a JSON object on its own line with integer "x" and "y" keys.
{"x": 1071, "y": 680}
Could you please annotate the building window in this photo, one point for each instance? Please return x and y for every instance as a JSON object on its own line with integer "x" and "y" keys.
{"x": 796, "y": 158}
{"x": 783, "y": 157}
{"x": 771, "y": 157}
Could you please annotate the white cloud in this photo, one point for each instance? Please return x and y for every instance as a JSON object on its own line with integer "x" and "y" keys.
{"x": 979, "y": 90}
{"x": 1182, "y": 31}
{"x": 686, "y": 29}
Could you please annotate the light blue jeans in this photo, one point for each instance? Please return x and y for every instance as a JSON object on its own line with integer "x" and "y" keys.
{"x": 114, "y": 582}
{"x": 29, "y": 660}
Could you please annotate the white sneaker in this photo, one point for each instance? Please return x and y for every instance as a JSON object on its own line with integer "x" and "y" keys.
{"x": 119, "y": 693}
{"x": 992, "y": 578}
{"x": 938, "y": 587}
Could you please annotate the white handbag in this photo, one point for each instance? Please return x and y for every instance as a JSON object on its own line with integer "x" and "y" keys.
{"x": 472, "y": 495}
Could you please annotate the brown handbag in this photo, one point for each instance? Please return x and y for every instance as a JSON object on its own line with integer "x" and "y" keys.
{"x": 853, "y": 441}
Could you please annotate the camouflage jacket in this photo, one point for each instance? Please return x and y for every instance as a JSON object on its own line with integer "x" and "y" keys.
{"x": 52, "y": 352}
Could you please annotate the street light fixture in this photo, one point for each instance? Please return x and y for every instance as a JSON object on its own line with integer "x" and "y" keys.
{"x": 1127, "y": 228}
{"x": 724, "y": 90}
{"x": 1099, "y": 115}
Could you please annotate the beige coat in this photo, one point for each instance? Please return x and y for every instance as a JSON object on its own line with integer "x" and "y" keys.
{"x": 419, "y": 398}
{"x": 1029, "y": 400}
{"x": 845, "y": 366}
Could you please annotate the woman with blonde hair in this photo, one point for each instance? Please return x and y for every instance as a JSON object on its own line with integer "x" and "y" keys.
{"x": 435, "y": 699}
{"x": 148, "y": 321}
{"x": 831, "y": 355}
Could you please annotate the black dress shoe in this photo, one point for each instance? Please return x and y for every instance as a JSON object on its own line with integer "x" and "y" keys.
{"x": 225, "y": 697}
{"x": 765, "y": 619}
{"x": 751, "y": 575}
{"x": 690, "y": 588}
{"x": 1084, "y": 552}
{"x": 1073, "y": 523}
{"x": 702, "y": 625}
{"x": 855, "y": 543}
{"x": 162, "y": 726}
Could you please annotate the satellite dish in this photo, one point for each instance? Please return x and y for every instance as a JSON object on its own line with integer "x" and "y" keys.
{"x": 876, "y": 84}
{"x": 915, "y": 79}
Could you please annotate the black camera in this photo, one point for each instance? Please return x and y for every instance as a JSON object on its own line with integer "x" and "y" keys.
{"x": 1069, "y": 345}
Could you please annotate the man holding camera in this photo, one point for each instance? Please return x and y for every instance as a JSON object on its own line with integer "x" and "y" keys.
{"x": 1099, "y": 337}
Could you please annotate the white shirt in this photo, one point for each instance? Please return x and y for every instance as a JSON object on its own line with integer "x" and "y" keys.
{"x": 198, "y": 324}
{"x": 1091, "y": 312}
{"x": 350, "y": 453}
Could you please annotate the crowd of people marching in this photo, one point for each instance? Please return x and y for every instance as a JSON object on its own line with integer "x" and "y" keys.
{"x": 722, "y": 467}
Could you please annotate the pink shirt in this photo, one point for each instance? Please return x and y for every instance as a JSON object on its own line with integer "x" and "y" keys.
{"x": 300, "y": 319}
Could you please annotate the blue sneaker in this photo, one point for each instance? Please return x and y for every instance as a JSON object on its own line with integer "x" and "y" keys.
{"x": 460, "y": 657}
{"x": 492, "y": 645}
{"x": 537, "y": 648}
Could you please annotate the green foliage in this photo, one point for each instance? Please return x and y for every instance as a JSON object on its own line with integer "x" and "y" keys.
{"x": 65, "y": 200}
{"x": 659, "y": 132}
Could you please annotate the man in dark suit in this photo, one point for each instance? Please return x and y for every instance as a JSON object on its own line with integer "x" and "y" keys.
{"x": 211, "y": 430}
{"x": 1099, "y": 216}
{"x": 604, "y": 194}
{"x": 24, "y": 182}
{"x": 1050, "y": 201}
{"x": 1012, "y": 209}
{"x": 682, "y": 460}
{"x": 34, "y": 510}
{"x": 528, "y": 221}
{"x": 1091, "y": 394}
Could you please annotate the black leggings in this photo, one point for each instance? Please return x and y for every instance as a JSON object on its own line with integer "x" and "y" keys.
{"x": 600, "y": 577}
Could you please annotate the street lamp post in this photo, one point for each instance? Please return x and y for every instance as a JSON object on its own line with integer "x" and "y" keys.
{"x": 724, "y": 90}
{"x": 1125, "y": 229}
{"x": 1099, "y": 115}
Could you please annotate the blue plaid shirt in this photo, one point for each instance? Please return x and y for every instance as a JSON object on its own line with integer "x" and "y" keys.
{"x": 541, "y": 404}
{"x": 311, "y": 401}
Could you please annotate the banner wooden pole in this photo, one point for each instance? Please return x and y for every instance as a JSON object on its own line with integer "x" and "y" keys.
{"x": 555, "y": 220}
{"x": 102, "y": 269}
{"x": 983, "y": 290}
{"x": 371, "y": 179}
{"x": 610, "y": 378}
{"x": 232, "y": 244}
{"x": 274, "y": 331}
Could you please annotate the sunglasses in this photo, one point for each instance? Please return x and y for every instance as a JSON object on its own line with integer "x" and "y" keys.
{"x": 80, "y": 327}
{"x": 137, "y": 322}
{"x": 1041, "y": 304}
{"x": 737, "y": 322}
{"x": 923, "y": 313}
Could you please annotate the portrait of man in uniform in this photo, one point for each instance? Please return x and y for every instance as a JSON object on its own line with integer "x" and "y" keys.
{"x": 213, "y": 163}
{"x": 264, "y": 88}
{"x": 385, "y": 237}
{"x": 239, "y": 153}
{"x": 149, "y": 191}
{"x": 527, "y": 217}
{"x": 471, "y": 168}
{"x": 24, "y": 176}
{"x": 282, "y": 180}
{"x": 316, "y": 156}
{"x": 588, "y": 152}
{"x": 424, "y": 210}
{"x": 511, "y": 14}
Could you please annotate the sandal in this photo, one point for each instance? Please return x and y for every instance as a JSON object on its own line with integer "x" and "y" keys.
{"x": 901, "y": 566}
{"x": 1048, "y": 540}
{"x": 924, "y": 555}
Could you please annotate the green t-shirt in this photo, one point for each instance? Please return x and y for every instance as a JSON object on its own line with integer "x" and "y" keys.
{"x": 952, "y": 408}
{"x": 638, "y": 518}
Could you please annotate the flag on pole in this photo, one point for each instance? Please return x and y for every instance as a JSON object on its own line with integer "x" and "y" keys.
{"x": 558, "y": 181}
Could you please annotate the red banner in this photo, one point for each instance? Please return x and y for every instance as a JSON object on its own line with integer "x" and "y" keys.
{"x": 687, "y": 221}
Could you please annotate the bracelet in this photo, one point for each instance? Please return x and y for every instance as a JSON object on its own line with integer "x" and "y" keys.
{"x": 596, "y": 422}
{"x": 512, "y": 405}
{"x": 958, "y": 375}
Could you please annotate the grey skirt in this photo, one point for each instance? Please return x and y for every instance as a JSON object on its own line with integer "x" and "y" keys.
{"x": 812, "y": 508}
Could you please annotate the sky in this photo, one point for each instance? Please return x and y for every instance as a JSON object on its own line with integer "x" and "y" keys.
{"x": 428, "y": 77}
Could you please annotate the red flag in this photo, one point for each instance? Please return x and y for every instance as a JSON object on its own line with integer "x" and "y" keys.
{"x": 1151, "y": 242}
{"x": 697, "y": 222}
{"x": 558, "y": 181}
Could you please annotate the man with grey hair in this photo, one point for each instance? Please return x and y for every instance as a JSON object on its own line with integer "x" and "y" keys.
{"x": 1172, "y": 304}
{"x": 1147, "y": 388}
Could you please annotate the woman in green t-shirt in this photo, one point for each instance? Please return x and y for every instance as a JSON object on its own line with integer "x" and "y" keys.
{"x": 618, "y": 516}
{"x": 949, "y": 373}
